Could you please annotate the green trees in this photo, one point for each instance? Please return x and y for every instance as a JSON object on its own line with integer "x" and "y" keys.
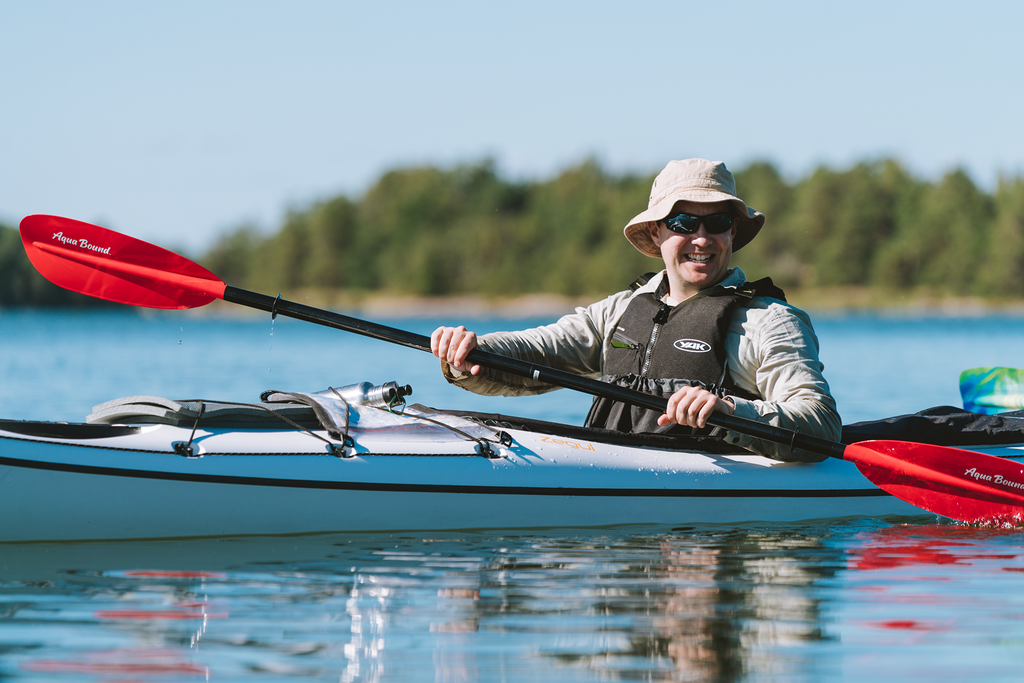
{"x": 572, "y": 234}
{"x": 435, "y": 232}
{"x": 940, "y": 237}
{"x": 876, "y": 226}
{"x": 1003, "y": 257}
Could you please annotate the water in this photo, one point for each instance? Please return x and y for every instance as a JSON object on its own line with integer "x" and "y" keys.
{"x": 849, "y": 600}
{"x": 57, "y": 366}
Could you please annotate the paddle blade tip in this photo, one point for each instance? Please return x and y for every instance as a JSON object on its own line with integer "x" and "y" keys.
{"x": 104, "y": 264}
{"x": 964, "y": 485}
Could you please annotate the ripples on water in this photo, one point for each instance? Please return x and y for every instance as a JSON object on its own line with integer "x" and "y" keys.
{"x": 802, "y": 602}
{"x": 854, "y": 600}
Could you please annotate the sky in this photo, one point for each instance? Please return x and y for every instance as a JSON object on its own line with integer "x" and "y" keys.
{"x": 176, "y": 122}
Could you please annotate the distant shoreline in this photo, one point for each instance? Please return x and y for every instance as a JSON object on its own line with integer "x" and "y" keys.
{"x": 820, "y": 300}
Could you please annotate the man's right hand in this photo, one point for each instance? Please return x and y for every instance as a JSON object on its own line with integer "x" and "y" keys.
{"x": 452, "y": 345}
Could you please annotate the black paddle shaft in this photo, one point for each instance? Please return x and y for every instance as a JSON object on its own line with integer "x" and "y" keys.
{"x": 278, "y": 306}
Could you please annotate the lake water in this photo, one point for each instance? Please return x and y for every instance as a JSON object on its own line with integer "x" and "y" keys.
{"x": 849, "y": 600}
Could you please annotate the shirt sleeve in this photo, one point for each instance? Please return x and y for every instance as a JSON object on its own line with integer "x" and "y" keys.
{"x": 773, "y": 353}
{"x": 574, "y": 344}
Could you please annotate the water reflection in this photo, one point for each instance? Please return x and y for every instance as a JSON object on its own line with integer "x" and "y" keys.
{"x": 731, "y": 606}
{"x": 698, "y": 603}
{"x": 934, "y": 544}
{"x": 947, "y": 593}
{"x": 678, "y": 605}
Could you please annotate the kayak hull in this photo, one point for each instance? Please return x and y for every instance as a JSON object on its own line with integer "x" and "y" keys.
{"x": 104, "y": 508}
{"x": 250, "y": 482}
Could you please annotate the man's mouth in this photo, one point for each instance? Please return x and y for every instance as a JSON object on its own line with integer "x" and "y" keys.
{"x": 698, "y": 258}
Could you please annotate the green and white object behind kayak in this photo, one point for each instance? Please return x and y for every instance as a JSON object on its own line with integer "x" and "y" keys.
{"x": 992, "y": 390}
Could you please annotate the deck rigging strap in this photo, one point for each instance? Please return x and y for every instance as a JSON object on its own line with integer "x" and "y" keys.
{"x": 338, "y": 423}
{"x": 185, "y": 448}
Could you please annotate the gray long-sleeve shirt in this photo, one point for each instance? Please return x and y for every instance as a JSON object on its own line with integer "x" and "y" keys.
{"x": 771, "y": 348}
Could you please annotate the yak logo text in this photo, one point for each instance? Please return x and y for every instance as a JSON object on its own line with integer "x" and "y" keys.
{"x": 692, "y": 345}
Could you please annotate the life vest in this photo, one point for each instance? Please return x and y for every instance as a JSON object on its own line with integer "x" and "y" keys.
{"x": 658, "y": 349}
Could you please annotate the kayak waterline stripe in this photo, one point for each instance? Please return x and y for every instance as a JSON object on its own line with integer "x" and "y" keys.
{"x": 441, "y": 488}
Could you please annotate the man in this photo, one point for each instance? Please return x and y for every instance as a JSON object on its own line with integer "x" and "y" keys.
{"x": 696, "y": 332}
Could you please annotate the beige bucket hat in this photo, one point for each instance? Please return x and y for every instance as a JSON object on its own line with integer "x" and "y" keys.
{"x": 693, "y": 180}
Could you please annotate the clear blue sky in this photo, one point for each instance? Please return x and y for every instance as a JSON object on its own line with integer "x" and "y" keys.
{"x": 176, "y": 121}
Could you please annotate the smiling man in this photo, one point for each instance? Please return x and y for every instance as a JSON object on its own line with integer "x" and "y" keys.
{"x": 696, "y": 332}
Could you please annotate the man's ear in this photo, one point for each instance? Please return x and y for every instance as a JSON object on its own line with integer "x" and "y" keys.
{"x": 655, "y": 231}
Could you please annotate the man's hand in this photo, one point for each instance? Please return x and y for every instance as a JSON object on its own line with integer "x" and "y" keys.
{"x": 452, "y": 345}
{"x": 691, "y": 407}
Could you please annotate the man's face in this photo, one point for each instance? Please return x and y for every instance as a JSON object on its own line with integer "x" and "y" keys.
{"x": 699, "y": 260}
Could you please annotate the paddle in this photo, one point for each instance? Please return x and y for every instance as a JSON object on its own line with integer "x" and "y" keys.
{"x": 992, "y": 390}
{"x": 91, "y": 260}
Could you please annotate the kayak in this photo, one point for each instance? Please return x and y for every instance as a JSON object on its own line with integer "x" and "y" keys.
{"x": 256, "y": 485}
{"x": 359, "y": 459}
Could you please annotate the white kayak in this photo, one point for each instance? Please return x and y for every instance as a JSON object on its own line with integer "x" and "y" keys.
{"x": 146, "y": 467}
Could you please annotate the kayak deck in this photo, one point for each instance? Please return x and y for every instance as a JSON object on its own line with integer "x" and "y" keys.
{"x": 134, "y": 485}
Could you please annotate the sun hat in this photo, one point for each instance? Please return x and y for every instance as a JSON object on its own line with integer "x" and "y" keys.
{"x": 692, "y": 180}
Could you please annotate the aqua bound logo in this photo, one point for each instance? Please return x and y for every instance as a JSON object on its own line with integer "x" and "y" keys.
{"x": 994, "y": 478}
{"x": 692, "y": 345}
{"x": 80, "y": 242}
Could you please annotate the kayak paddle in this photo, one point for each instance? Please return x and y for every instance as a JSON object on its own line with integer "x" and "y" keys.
{"x": 84, "y": 258}
{"x": 992, "y": 390}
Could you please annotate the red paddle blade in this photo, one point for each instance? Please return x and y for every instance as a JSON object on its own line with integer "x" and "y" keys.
{"x": 107, "y": 265}
{"x": 963, "y": 485}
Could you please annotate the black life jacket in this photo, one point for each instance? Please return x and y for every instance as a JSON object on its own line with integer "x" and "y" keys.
{"x": 658, "y": 349}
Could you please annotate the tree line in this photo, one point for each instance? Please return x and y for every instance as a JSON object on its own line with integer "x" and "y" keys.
{"x": 466, "y": 230}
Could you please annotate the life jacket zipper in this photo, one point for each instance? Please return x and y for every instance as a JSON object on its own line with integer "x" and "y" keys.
{"x": 659, "y": 319}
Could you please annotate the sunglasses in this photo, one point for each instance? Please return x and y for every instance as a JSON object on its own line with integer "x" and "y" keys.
{"x": 687, "y": 223}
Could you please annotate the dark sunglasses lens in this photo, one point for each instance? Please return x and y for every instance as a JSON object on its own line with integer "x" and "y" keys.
{"x": 717, "y": 223}
{"x": 684, "y": 223}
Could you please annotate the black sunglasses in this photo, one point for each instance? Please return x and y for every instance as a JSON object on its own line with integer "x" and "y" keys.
{"x": 687, "y": 223}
